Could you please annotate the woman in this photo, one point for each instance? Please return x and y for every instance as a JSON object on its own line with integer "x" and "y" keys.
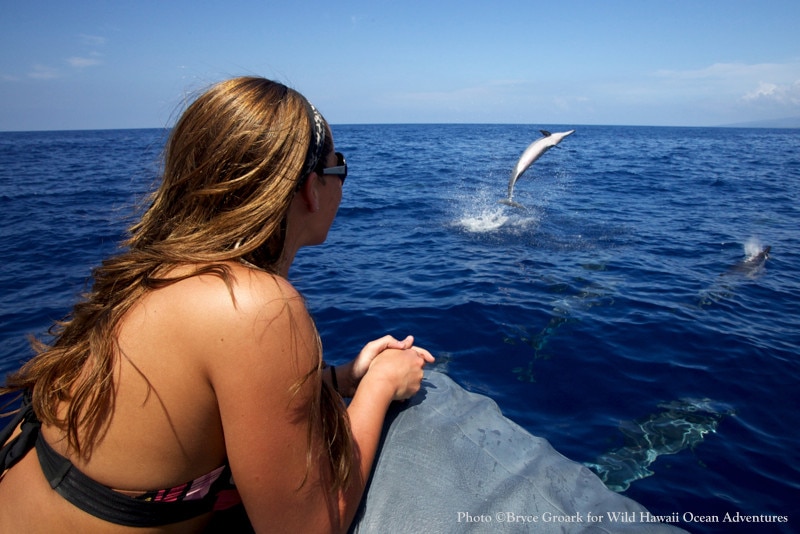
{"x": 193, "y": 358}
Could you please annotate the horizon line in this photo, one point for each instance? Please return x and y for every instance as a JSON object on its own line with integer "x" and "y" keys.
{"x": 789, "y": 123}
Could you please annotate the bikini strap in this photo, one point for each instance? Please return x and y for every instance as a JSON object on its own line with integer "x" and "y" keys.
{"x": 13, "y": 451}
{"x": 109, "y": 505}
{"x": 86, "y": 493}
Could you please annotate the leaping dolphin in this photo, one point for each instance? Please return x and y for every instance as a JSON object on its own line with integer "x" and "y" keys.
{"x": 534, "y": 151}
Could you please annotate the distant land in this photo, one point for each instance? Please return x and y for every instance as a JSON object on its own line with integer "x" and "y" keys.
{"x": 788, "y": 122}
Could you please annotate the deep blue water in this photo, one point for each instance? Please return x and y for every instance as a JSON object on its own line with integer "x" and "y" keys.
{"x": 608, "y": 317}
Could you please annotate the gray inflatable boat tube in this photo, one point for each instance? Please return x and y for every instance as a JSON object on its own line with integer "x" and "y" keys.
{"x": 451, "y": 462}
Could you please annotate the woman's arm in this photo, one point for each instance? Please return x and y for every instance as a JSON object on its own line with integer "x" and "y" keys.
{"x": 393, "y": 375}
{"x": 257, "y": 353}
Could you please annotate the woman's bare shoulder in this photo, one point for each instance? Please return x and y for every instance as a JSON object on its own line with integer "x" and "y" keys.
{"x": 245, "y": 291}
{"x": 203, "y": 315}
{"x": 255, "y": 310}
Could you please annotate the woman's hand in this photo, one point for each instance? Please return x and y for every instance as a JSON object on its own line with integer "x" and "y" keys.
{"x": 399, "y": 370}
{"x": 350, "y": 374}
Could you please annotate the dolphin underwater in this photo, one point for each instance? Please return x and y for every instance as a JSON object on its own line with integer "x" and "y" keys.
{"x": 750, "y": 268}
{"x": 534, "y": 151}
{"x": 752, "y": 265}
{"x": 681, "y": 424}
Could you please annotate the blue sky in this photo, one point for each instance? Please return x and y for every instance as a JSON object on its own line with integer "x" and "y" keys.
{"x": 128, "y": 64}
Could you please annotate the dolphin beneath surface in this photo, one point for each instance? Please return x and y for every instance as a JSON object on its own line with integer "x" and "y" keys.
{"x": 680, "y": 425}
{"x": 750, "y": 268}
{"x": 534, "y": 151}
{"x": 752, "y": 265}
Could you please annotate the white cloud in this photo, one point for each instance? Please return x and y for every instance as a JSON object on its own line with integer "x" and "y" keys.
{"x": 571, "y": 103}
{"x": 739, "y": 90}
{"x": 783, "y": 94}
{"x": 42, "y": 72}
{"x": 739, "y": 77}
{"x": 91, "y": 59}
{"x": 716, "y": 71}
{"x": 81, "y": 62}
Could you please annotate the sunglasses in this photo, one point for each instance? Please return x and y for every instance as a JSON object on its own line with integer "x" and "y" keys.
{"x": 340, "y": 171}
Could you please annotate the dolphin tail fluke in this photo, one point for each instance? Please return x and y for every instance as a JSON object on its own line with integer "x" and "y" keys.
{"x": 509, "y": 202}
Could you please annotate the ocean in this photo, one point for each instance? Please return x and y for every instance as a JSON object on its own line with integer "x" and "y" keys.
{"x": 623, "y": 314}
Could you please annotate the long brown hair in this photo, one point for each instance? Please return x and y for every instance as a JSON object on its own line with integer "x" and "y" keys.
{"x": 231, "y": 166}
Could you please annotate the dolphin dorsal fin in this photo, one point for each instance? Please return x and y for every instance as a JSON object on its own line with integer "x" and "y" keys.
{"x": 545, "y": 133}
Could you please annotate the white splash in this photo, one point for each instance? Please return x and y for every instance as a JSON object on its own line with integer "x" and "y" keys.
{"x": 752, "y": 248}
{"x": 479, "y": 212}
{"x": 486, "y": 220}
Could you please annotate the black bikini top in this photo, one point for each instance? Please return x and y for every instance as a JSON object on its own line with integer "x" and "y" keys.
{"x": 88, "y": 494}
